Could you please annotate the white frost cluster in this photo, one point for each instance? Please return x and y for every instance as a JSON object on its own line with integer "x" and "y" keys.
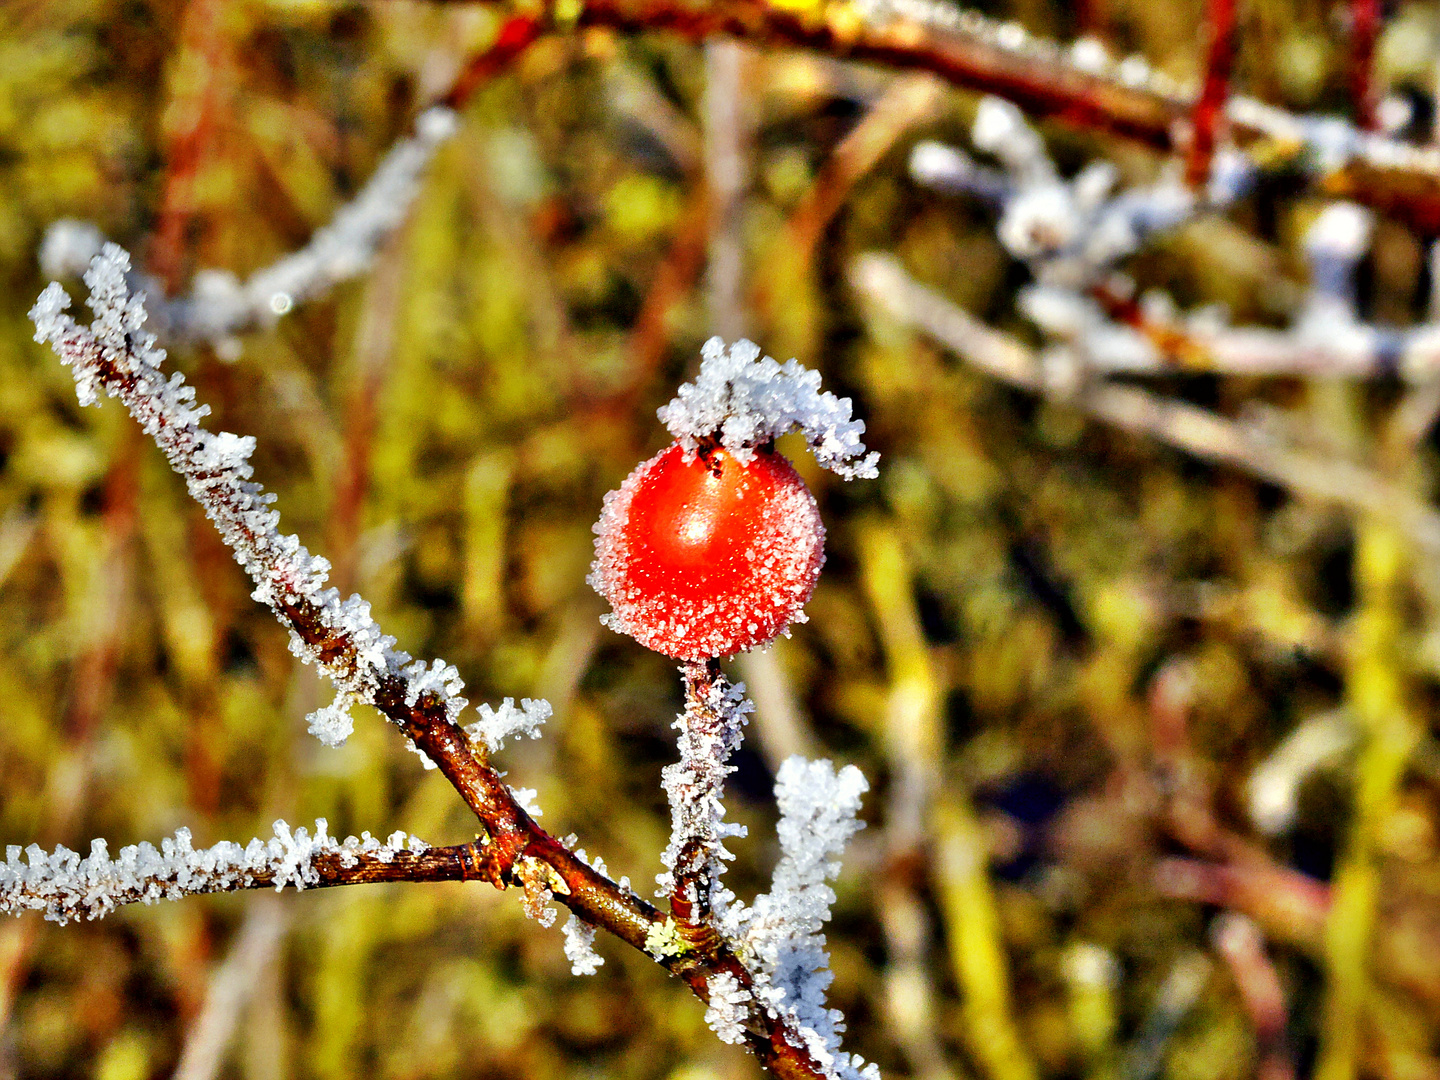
{"x": 1074, "y": 234}
{"x": 525, "y": 799}
{"x": 220, "y": 305}
{"x": 64, "y": 886}
{"x": 781, "y": 934}
{"x": 728, "y": 1008}
{"x": 710, "y": 731}
{"x": 508, "y": 722}
{"x": 1074, "y": 231}
{"x": 580, "y": 946}
{"x": 117, "y": 354}
{"x": 745, "y": 402}
{"x": 68, "y": 246}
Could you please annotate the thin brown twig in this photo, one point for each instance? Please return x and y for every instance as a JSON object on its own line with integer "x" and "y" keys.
{"x": 190, "y": 144}
{"x": 1244, "y": 875}
{"x": 231, "y": 987}
{"x": 674, "y": 277}
{"x": 1291, "y": 907}
{"x": 907, "y": 102}
{"x": 1240, "y": 944}
{"x": 373, "y": 345}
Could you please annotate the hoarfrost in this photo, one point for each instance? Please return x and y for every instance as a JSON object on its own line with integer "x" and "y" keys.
{"x": 710, "y": 731}
{"x": 727, "y": 1010}
{"x": 580, "y": 946}
{"x": 117, "y": 354}
{"x": 525, "y": 799}
{"x": 781, "y": 933}
{"x": 745, "y": 401}
{"x": 506, "y": 722}
{"x": 65, "y": 886}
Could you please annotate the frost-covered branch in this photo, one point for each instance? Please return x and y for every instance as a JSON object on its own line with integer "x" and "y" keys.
{"x": 781, "y": 934}
{"x": 1075, "y": 234}
{"x": 1079, "y": 83}
{"x": 710, "y": 732}
{"x": 220, "y": 305}
{"x": 66, "y": 886}
{"x": 1071, "y": 233}
{"x": 116, "y": 354}
{"x": 1193, "y": 430}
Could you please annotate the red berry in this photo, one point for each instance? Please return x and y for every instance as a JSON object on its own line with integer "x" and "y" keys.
{"x": 701, "y": 556}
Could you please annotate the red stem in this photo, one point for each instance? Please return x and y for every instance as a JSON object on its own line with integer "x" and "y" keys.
{"x": 517, "y": 35}
{"x": 1364, "y": 29}
{"x": 1210, "y": 108}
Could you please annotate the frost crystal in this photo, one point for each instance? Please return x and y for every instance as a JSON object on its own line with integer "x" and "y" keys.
{"x": 782, "y": 932}
{"x": 117, "y": 354}
{"x": 580, "y": 946}
{"x": 728, "y": 1008}
{"x": 710, "y": 727}
{"x": 745, "y": 402}
{"x": 332, "y": 724}
{"x": 497, "y": 725}
{"x": 525, "y": 799}
{"x": 64, "y": 886}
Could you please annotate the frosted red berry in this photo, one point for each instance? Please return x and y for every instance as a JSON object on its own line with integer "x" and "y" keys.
{"x": 701, "y": 556}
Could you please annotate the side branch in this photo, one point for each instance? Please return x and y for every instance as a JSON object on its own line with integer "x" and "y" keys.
{"x": 64, "y": 886}
{"x": 1210, "y": 107}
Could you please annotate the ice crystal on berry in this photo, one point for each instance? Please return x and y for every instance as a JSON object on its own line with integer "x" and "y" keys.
{"x": 743, "y": 402}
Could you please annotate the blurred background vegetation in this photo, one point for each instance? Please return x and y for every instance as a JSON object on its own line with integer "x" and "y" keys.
{"x": 1058, "y": 652}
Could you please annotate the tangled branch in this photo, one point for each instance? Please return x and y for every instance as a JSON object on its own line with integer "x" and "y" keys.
{"x": 116, "y": 354}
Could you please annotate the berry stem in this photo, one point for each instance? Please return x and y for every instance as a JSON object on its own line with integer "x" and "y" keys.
{"x": 709, "y": 734}
{"x": 690, "y": 897}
